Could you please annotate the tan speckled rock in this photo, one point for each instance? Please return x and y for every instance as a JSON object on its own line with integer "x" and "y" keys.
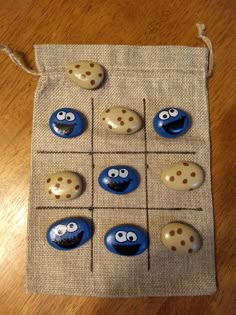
{"x": 181, "y": 238}
{"x": 121, "y": 120}
{"x": 183, "y": 175}
{"x": 87, "y": 74}
{"x": 63, "y": 185}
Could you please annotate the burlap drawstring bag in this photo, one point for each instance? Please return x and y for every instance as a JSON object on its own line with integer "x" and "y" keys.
{"x": 146, "y": 79}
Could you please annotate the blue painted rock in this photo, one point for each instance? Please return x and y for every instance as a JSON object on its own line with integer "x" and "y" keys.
{"x": 126, "y": 240}
{"x": 119, "y": 179}
{"x": 67, "y": 123}
{"x": 171, "y": 122}
{"x": 68, "y": 233}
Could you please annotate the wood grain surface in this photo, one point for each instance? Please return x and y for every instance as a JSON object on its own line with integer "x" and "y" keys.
{"x": 146, "y": 22}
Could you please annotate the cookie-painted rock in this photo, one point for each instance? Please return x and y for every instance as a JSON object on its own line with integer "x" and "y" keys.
{"x": 181, "y": 238}
{"x": 126, "y": 240}
{"x": 63, "y": 185}
{"x": 68, "y": 233}
{"x": 119, "y": 179}
{"x": 86, "y": 74}
{"x": 171, "y": 122}
{"x": 183, "y": 175}
{"x": 121, "y": 120}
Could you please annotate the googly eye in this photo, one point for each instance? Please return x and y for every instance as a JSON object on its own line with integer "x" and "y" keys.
{"x": 70, "y": 116}
{"x": 72, "y": 227}
{"x": 113, "y": 173}
{"x": 164, "y": 115}
{"x": 61, "y": 115}
{"x": 123, "y": 173}
{"x": 173, "y": 112}
{"x": 60, "y": 230}
{"x": 120, "y": 236}
{"x": 132, "y": 237}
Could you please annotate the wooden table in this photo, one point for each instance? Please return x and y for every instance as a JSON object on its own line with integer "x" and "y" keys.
{"x": 24, "y": 23}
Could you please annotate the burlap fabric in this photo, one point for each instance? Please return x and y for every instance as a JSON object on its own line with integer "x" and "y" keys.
{"x": 145, "y": 79}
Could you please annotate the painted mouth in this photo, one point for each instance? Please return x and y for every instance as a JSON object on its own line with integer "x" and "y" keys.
{"x": 126, "y": 250}
{"x": 70, "y": 243}
{"x": 63, "y": 129}
{"x": 119, "y": 186}
{"x": 174, "y": 127}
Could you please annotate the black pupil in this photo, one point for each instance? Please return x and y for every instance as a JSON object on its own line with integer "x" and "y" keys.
{"x": 120, "y": 234}
{"x": 122, "y": 171}
{"x": 171, "y": 110}
{"x": 131, "y": 238}
{"x": 68, "y": 118}
{"x": 113, "y": 174}
{"x": 60, "y": 113}
{"x": 164, "y": 116}
{"x": 71, "y": 225}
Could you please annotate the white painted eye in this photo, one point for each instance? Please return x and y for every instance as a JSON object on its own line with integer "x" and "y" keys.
{"x": 70, "y": 116}
{"x": 164, "y": 115}
{"x": 60, "y": 230}
{"x": 113, "y": 172}
{"x": 72, "y": 227}
{"x": 61, "y": 115}
{"x": 132, "y": 237}
{"x": 121, "y": 236}
{"x": 173, "y": 112}
{"x": 123, "y": 173}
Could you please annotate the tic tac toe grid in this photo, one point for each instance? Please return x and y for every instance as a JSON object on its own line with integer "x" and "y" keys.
{"x": 144, "y": 79}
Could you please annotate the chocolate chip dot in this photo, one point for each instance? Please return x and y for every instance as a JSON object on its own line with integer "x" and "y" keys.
{"x": 185, "y": 164}
{"x": 77, "y": 187}
{"x": 68, "y": 196}
{"x": 82, "y": 76}
{"x": 185, "y": 181}
{"x": 103, "y": 118}
{"x": 179, "y": 231}
{"x": 122, "y": 123}
{"x": 50, "y": 192}
{"x": 191, "y": 238}
{"x": 123, "y": 111}
{"x": 91, "y": 65}
{"x": 57, "y": 196}
{"x": 193, "y": 174}
{"x": 173, "y": 248}
{"x": 77, "y": 66}
{"x": 172, "y": 233}
{"x": 178, "y": 173}
{"x": 48, "y": 180}
{"x": 69, "y": 181}
{"x": 107, "y": 111}
{"x": 109, "y": 126}
{"x": 70, "y": 71}
{"x": 172, "y": 178}
{"x": 57, "y": 185}
{"x": 182, "y": 242}
{"x": 60, "y": 179}
{"x": 119, "y": 118}
{"x": 88, "y": 73}
{"x": 100, "y": 75}
{"x": 128, "y": 130}
{"x": 92, "y": 82}
{"x": 131, "y": 118}
{"x": 190, "y": 250}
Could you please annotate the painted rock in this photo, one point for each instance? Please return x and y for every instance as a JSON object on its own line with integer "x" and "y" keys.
{"x": 67, "y": 123}
{"x": 119, "y": 179}
{"x": 183, "y": 176}
{"x": 121, "y": 120}
{"x": 171, "y": 122}
{"x": 68, "y": 233}
{"x": 126, "y": 240}
{"x": 181, "y": 238}
{"x": 63, "y": 185}
{"x": 87, "y": 74}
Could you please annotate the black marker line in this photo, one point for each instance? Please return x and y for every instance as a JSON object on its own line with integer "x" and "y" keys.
{"x": 146, "y": 178}
{"x": 118, "y": 208}
{"x": 117, "y": 152}
{"x": 92, "y": 184}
